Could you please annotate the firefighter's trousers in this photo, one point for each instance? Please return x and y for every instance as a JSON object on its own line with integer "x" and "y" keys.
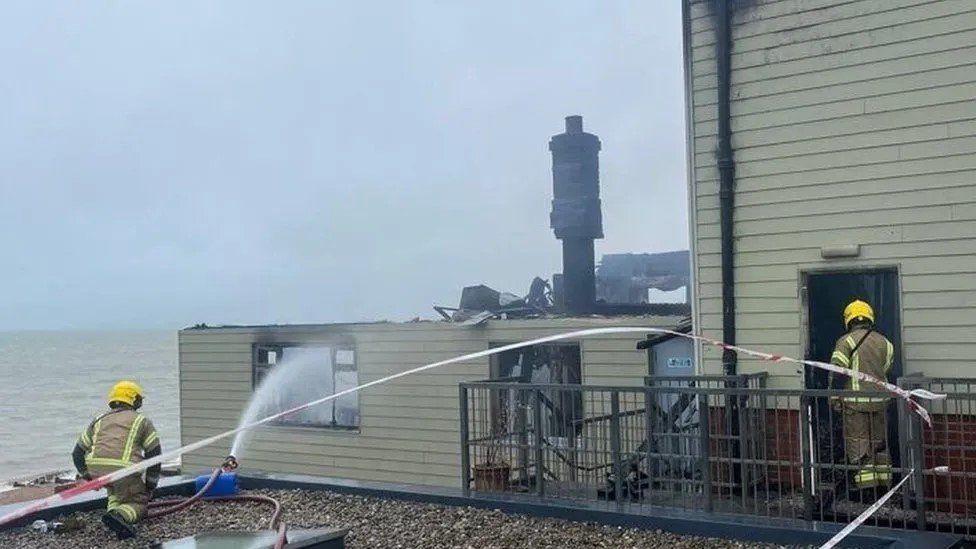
{"x": 127, "y": 497}
{"x": 865, "y": 429}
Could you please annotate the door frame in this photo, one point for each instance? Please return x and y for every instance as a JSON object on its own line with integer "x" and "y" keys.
{"x": 803, "y": 294}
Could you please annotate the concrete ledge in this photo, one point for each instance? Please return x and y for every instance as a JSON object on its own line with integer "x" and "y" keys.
{"x": 738, "y": 527}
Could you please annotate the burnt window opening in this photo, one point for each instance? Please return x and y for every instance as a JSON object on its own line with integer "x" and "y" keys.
{"x": 558, "y": 363}
{"x": 314, "y": 371}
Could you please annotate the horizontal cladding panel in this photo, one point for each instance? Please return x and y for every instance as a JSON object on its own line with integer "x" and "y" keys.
{"x": 961, "y": 352}
{"x": 331, "y": 333}
{"x": 943, "y": 325}
{"x": 400, "y": 390}
{"x": 801, "y": 149}
{"x": 915, "y": 257}
{"x": 237, "y": 351}
{"x": 623, "y": 356}
{"x": 376, "y": 414}
{"x": 940, "y": 299}
{"x": 191, "y": 391}
{"x": 953, "y": 161}
{"x": 399, "y": 477}
{"x": 953, "y": 320}
{"x": 771, "y": 289}
{"x": 216, "y": 374}
{"x": 865, "y": 235}
{"x": 845, "y": 114}
{"x": 942, "y": 148}
{"x": 392, "y": 452}
{"x": 593, "y": 347}
{"x": 219, "y": 357}
{"x": 188, "y": 404}
{"x": 806, "y": 103}
{"x": 908, "y": 42}
{"x": 837, "y": 84}
{"x": 316, "y": 438}
{"x": 942, "y": 34}
{"x": 757, "y": 321}
{"x": 195, "y": 431}
{"x": 618, "y": 373}
{"x": 700, "y": 11}
{"x": 234, "y": 386}
{"x": 871, "y": 218}
{"x": 930, "y": 282}
{"x": 771, "y": 17}
{"x": 380, "y": 462}
{"x": 762, "y": 202}
{"x": 752, "y": 305}
{"x": 917, "y": 115}
{"x": 873, "y": 16}
{"x": 438, "y": 382}
{"x": 910, "y": 268}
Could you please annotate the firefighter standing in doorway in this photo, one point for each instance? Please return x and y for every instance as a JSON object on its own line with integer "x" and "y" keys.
{"x": 864, "y": 349}
{"x": 116, "y": 439}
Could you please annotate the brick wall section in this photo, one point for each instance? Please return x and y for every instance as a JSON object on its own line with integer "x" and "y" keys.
{"x": 783, "y": 444}
{"x": 951, "y": 441}
{"x": 777, "y": 437}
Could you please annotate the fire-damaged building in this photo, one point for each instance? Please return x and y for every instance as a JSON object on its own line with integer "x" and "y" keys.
{"x": 832, "y": 158}
{"x": 408, "y": 430}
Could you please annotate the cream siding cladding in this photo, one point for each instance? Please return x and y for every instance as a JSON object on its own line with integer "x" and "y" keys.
{"x": 409, "y": 427}
{"x": 853, "y": 122}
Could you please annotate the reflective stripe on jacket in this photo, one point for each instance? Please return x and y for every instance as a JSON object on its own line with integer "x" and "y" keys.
{"x": 118, "y": 439}
{"x": 873, "y": 357}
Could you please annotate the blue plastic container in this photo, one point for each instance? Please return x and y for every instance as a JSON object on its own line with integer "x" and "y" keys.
{"x": 225, "y": 485}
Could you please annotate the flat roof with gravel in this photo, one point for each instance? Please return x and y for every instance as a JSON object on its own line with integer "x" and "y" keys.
{"x": 373, "y": 522}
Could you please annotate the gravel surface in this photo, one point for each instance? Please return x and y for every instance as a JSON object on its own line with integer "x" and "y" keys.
{"x": 373, "y": 523}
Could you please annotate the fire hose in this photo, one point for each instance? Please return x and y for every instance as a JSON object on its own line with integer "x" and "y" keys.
{"x": 162, "y": 508}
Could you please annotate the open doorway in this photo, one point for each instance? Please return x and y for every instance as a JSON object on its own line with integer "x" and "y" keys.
{"x": 827, "y": 294}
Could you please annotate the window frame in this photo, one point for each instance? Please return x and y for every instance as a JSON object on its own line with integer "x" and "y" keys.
{"x": 334, "y": 348}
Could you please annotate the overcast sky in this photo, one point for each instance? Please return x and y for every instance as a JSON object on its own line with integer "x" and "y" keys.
{"x": 168, "y": 163}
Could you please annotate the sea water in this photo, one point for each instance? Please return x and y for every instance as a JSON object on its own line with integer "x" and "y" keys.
{"x": 52, "y": 384}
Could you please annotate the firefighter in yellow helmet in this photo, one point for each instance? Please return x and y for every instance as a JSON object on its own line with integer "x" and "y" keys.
{"x": 864, "y": 349}
{"x": 118, "y": 438}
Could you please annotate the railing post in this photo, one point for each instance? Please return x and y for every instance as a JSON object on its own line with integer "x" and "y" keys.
{"x": 918, "y": 459}
{"x": 540, "y": 468}
{"x": 705, "y": 462}
{"x": 809, "y": 476}
{"x": 615, "y": 458}
{"x": 742, "y": 409}
{"x": 909, "y": 491}
{"x": 522, "y": 428}
{"x": 465, "y": 436}
{"x": 649, "y": 405}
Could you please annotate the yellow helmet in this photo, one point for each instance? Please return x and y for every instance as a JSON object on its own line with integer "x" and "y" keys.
{"x": 858, "y": 310}
{"x": 125, "y": 392}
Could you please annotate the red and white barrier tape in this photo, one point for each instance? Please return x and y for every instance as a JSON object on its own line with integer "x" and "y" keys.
{"x": 846, "y": 531}
{"x": 103, "y": 480}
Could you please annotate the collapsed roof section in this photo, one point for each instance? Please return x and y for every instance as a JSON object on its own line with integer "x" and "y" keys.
{"x": 626, "y": 278}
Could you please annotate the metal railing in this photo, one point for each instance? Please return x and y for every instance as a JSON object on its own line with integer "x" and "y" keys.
{"x": 946, "y": 501}
{"x": 725, "y": 445}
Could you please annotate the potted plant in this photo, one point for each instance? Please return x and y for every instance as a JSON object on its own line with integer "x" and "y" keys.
{"x": 493, "y": 474}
